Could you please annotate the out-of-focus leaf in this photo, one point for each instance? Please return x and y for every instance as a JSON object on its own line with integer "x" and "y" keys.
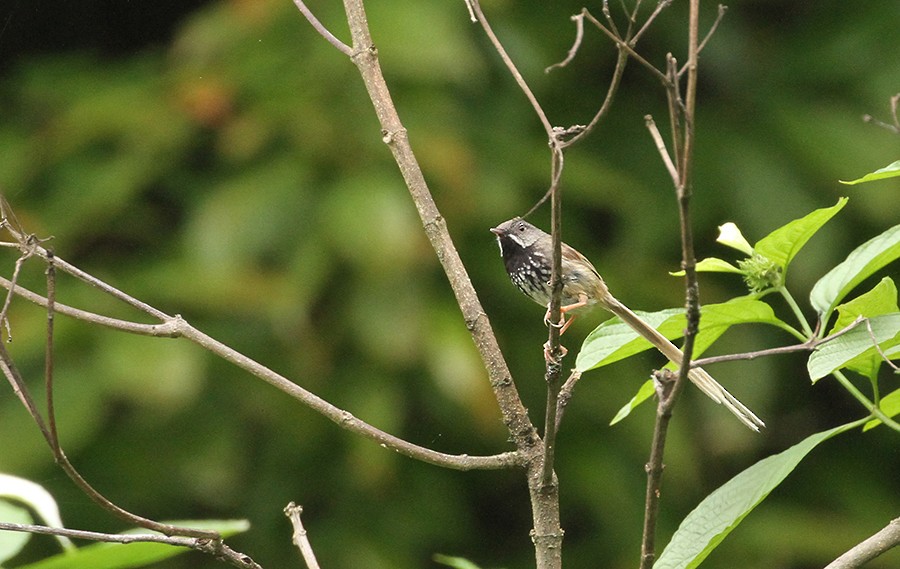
{"x": 35, "y": 497}
{"x": 719, "y": 513}
{"x": 890, "y": 171}
{"x": 860, "y": 264}
{"x": 12, "y": 542}
{"x": 455, "y": 562}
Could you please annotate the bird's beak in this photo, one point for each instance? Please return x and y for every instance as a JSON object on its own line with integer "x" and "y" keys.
{"x": 497, "y": 231}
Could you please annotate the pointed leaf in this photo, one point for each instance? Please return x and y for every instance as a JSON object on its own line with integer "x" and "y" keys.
{"x": 836, "y": 354}
{"x": 644, "y": 393}
{"x": 860, "y": 264}
{"x": 784, "y": 243}
{"x": 711, "y": 265}
{"x": 720, "y": 512}
{"x": 889, "y": 171}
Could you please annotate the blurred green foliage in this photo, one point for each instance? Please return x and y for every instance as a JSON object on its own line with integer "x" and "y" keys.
{"x": 236, "y": 175}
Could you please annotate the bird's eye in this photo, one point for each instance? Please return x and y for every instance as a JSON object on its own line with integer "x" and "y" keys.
{"x": 521, "y": 227}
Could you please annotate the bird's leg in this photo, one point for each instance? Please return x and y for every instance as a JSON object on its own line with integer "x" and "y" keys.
{"x": 564, "y": 324}
{"x": 548, "y": 357}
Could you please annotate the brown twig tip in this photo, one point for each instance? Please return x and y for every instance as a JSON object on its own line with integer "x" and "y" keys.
{"x": 579, "y": 36}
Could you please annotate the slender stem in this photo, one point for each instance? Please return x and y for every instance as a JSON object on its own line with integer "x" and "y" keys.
{"x": 865, "y": 401}
{"x": 798, "y": 313}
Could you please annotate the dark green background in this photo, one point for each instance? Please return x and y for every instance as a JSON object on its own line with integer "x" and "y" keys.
{"x": 225, "y": 164}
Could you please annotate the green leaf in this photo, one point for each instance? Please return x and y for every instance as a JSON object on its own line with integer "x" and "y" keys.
{"x": 882, "y": 299}
{"x": 837, "y": 353}
{"x": 126, "y": 556}
{"x": 860, "y": 264}
{"x": 783, "y": 244}
{"x": 614, "y": 340}
{"x": 645, "y": 392}
{"x": 889, "y": 171}
{"x": 889, "y": 405}
{"x": 720, "y": 512}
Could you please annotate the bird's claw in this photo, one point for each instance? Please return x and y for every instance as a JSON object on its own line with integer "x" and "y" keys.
{"x": 549, "y": 357}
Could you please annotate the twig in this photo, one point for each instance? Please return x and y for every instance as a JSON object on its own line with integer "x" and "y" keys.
{"x": 18, "y": 384}
{"x": 660, "y": 6}
{"x": 214, "y": 547}
{"x": 625, "y": 46}
{"x": 322, "y": 30}
{"x": 175, "y": 327}
{"x": 48, "y": 353}
{"x": 712, "y": 30}
{"x": 475, "y": 7}
{"x": 867, "y": 550}
{"x": 895, "y": 127}
{"x": 579, "y": 35}
{"x": 565, "y": 394}
{"x": 661, "y": 148}
{"x": 300, "y": 539}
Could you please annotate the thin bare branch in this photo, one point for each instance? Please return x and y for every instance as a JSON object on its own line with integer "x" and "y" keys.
{"x": 176, "y": 326}
{"x": 720, "y": 15}
{"x": 299, "y": 537}
{"x": 712, "y": 30}
{"x": 214, "y": 547}
{"x": 661, "y": 147}
{"x": 475, "y": 7}
{"x": 579, "y": 36}
{"x": 322, "y": 30}
{"x": 660, "y": 6}
{"x": 887, "y": 538}
{"x": 628, "y": 48}
{"x": 48, "y": 353}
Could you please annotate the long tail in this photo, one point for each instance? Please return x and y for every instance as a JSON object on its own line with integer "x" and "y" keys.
{"x": 712, "y": 388}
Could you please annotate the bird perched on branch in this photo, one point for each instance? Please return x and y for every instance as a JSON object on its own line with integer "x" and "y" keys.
{"x": 528, "y": 255}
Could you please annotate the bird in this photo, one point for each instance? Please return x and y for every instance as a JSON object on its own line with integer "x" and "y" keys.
{"x": 527, "y": 253}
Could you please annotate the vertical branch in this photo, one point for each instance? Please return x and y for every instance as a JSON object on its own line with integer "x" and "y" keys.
{"x": 682, "y": 120}
{"x": 48, "y": 354}
{"x": 554, "y": 368}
